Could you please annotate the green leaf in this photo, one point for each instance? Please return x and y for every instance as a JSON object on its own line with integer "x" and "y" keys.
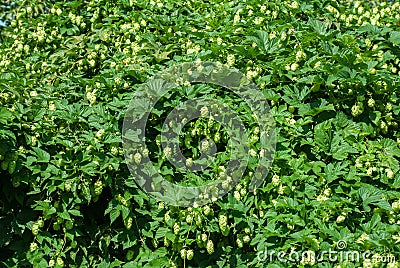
{"x": 64, "y": 215}
{"x": 114, "y": 213}
{"x": 323, "y": 135}
{"x": 395, "y": 38}
{"x": 340, "y": 149}
{"x": 373, "y": 196}
{"x": 5, "y": 115}
{"x": 42, "y": 155}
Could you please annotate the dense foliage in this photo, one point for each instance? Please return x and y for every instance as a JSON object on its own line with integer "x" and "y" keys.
{"x": 68, "y": 71}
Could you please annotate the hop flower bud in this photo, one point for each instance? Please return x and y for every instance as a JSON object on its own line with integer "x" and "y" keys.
{"x": 246, "y": 239}
{"x": 243, "y": 192}
{"x": 189, "y": 218}
{"x": 225, "y": 184}
{"x": 130, "y": 254}
{"x": 128, "y": 223}
{"x": 35, "y": 229}
{"x": 356, "y": 110}
{"x": 138, "y": 158}
{"x": 167, "y": 152}
{"x": 204, "y": 111}
{"x": 198, "y": 220}
{"x": 176, "y": 228}
{"x": 340, "y": 218}
{"x": 60, "y": 261}
{"x": 166, "y": 242}
{"x": 276, "y": 180}
{"x": 167, "y": 217}
{"x": 239, "y": 242}
{"x": 371, "y": 102}
{"x": 217, "y": 137}
{"x": 183, "y": 253}
{"x": 189, "y": 254}
{"x": 294, "y": 66}
{"x": 236, "y": 195}
{"x": 205, "y": 145}
{"x": 145, "y": 152}
{"x": 389, "y": 173}
{"x": 33, "y": 246}
{"x": 98, "y": 187}
{"x": 40, "y": 223}
{"x": 210, "y": 247}
{"x": 189, "y": 162}
{"x": 204, "y": 237}
{"x": 253, "y": 153}
{"x": 396, "y": 206}
{"x": 207, "y": 210}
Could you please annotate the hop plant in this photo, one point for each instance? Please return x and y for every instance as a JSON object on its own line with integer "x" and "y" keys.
{"x": 207, "y": 210}
{"x": 167, "y": 216}
{"x": 204, "y": 111}
{"x": 239, "y": 242}
{"x": 189, "y": 218}
{"x": 60, "y": 261}
{"x": 176, "y": 228}
{"x": 210, "y": 247}
{"x": 128, "y": 223}
{"x": 183, "y": 253}
{"x": 396, "y": 206}
{"x": 98, "y": 187}
{"x": 371, "y": 102}
{"x": 189, "y": 254}
{"x": 35, "y": 229}
{"x": 356, "y": 110}
{"x": 341, "y": 218}
{"x": 138, "y": 158}
{"x": 130, "y": 254}
{"x": 236, "y": 195}
{"x": 189, "y": 162}
{"x": 33, "y": 246}
{"x": 223, "y": 224}
{"x": 40, "y": 223}
{"x": 204, "y": 237}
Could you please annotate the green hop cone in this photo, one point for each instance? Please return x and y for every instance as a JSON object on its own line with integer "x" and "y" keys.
{"x": 210, "y": 247}
{"x": 130, "y": 254}
{"x": 33, "y": 246}
{"x": 4, "y": 165}
{"x": 223, "y": 224}
{"x": 128, "y": 223}
{"x": 35, "y": 229}
{"x": 40, "y": 223}
{"x": 98, "y": 187}
{"x": 60, "y": 261}
{"x": 69, "y": 225}
{"x": 67, "y": 186}
{"x": 11, "y": 167}
{"x": 189, "y": 254}
{"x": 239, "y": 242}
{"x": 138, "y": 158}
{"x": 183, "y": 253}
{"x": 176, "y": 228}
{"x": 371, "y": 102}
